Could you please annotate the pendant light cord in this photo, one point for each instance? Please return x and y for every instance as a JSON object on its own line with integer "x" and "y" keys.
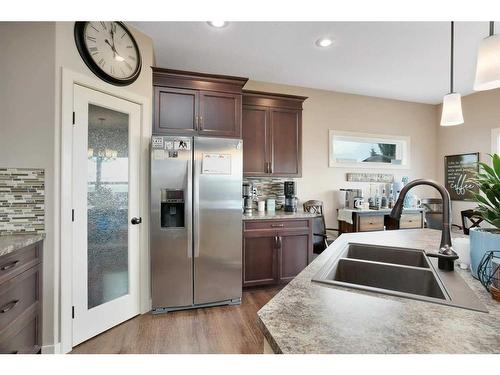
{"x": 492, "y": 28}
{"x": 451, "y": 55}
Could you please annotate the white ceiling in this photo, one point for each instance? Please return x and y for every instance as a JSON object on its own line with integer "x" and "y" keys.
{"x": 398, "y": 60}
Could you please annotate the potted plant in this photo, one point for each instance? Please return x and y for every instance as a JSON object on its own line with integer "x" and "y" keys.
{"x": 486, "y": 239}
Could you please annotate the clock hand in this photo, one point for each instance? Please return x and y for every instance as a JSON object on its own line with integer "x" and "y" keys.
{"x": 112, "y": 30}
{"x": 109, "y": 44}
{"x": 115, "y": 53}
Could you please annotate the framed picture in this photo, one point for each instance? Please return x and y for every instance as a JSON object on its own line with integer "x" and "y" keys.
{"x": 459, "y": 170}
{"x": 362, "y": 150}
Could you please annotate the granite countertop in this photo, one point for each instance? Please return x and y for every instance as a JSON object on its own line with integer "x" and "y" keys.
{"x": 279, "y": 214}
{"x": 307, "y": 317}
{"x": 11, "y": 243}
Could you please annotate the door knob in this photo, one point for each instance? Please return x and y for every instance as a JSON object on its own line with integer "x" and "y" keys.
{"x": 136, "y": 220}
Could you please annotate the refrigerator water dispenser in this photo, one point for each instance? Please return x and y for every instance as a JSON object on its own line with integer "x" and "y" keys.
{"x": 172, "y": 208}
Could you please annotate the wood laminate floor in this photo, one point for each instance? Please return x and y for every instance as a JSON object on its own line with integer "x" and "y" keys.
{"x": 225, "y": 329}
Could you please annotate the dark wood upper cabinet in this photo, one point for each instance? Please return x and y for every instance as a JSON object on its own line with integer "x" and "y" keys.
{"x": 177, "y": 110}
{"x": 272, "y": 134}
{"x": 220, "y": 114}
{"x": 286, "y": 142}
{"x": 190, "y": 103}
{"x": 255, "y": 146}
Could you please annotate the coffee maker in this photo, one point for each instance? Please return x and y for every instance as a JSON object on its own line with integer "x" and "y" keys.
{"x": 290, "y": 198}
{"x": 247, "y": 197}
{"x": 353, "y": 198}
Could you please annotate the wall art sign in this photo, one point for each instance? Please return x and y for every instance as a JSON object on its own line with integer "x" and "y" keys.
{"x": 459, "y": 170}
{"x": 370, "y": 177}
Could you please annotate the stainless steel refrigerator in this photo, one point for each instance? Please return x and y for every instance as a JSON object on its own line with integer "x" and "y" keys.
{"x": 196, "y": 230}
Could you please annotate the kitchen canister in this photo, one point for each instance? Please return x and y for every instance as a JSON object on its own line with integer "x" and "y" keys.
{"x": 271, "y": 204}
{"x": 462, "y": 248}
{"x": 261, "y": 206}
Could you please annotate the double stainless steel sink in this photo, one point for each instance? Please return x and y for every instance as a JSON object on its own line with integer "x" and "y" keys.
{"x": 402, "y": 272}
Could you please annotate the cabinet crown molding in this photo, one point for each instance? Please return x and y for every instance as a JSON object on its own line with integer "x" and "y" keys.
{"x": 198, "y": 81}
{"x": 267, "y": 99}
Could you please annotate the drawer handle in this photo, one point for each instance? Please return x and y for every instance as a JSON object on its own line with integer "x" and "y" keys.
{"x": 9, "y": 266}
{"x": 277, "y": 225}
{"x": 14, "y": 352}
{"x": 9, "y": 306}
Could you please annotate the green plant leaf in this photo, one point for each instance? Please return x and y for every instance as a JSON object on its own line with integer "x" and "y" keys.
{"x": 481, "y": 199}
{"x": 487, "y": 179}
{"x": 496, "y": 164}
{"x": 493, "y": 199}
{"x": 489, "y": 170}
{"x": 496, "y": 223}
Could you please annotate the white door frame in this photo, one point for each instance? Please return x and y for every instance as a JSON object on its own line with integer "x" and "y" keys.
{"x": 495, "y": 140}
{"x": 69, "y": 79}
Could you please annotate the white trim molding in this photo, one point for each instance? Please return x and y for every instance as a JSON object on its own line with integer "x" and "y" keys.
{"x": 51, "y": 349}
{"x": 495, "y": 141}
{"x": 69, "y": 79}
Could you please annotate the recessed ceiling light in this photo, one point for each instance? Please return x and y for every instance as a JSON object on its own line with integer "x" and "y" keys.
{"x": 324, "y": 42}
{"x": 217, "y": 24}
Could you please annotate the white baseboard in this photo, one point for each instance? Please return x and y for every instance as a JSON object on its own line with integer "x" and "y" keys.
{"x": 52, "y": 349}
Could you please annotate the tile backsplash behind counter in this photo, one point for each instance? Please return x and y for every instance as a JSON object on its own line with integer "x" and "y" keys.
{"x": 22, "y": 200}
{"x": 267, "y": 187}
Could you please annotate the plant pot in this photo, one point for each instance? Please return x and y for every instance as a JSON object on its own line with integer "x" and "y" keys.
{"x": 481, "y": 241}
{"x": 495, "y": 293}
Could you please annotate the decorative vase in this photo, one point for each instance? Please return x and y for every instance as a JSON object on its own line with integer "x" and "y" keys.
{"x": 481, "y": 241}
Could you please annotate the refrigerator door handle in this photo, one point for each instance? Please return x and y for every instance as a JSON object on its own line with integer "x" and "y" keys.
{"x": 188, "y": 212}
{"x": 196, "y": 205}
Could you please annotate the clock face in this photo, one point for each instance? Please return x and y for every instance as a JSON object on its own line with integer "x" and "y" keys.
{"x": 109, "y": 50}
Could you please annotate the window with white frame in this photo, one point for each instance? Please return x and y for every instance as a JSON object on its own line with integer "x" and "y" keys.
{"x": 350, "y": 149}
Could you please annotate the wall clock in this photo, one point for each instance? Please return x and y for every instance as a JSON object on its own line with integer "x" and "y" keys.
{"x": 109, "y": 50}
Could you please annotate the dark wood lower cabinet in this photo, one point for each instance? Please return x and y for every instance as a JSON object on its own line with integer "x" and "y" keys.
{"x": 20, "y": 301}
{"x": 260, "y": 260}
{"x": 275, "y": 251}
{"x": 293, "y": 256}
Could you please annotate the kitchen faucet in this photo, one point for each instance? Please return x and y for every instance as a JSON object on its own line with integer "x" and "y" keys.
{"x": 446, "y": 255}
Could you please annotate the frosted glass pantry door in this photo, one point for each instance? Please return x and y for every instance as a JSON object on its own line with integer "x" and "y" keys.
{"x": 105, "y": 197}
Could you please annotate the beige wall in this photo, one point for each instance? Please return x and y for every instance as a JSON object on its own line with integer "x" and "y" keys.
{"x": 481, "y": 112}
{"x": 324, "y": 110}
{"x": 27, "y": 131}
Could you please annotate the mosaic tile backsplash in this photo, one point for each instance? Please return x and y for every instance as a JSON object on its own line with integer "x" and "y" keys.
{"x": 22, "y": 199}
{"x": 266, "y": 187}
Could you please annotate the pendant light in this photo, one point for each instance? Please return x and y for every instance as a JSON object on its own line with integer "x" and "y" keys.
{"x": 452, "y": 103}
{"x": 488, "y": 62}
